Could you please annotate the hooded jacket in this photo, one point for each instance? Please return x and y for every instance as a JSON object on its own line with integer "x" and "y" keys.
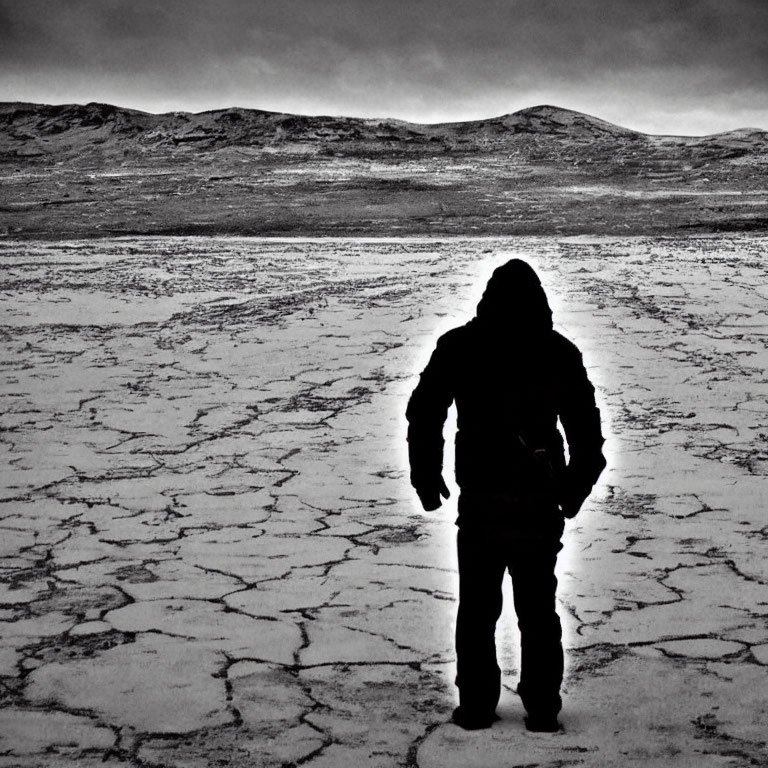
{"x": 512, "y": 378}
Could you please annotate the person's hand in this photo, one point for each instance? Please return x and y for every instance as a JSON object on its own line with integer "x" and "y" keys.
{"x": 569, "y": 509}
{"x": 571, "y": 502}
{"x": 429, "y": 495}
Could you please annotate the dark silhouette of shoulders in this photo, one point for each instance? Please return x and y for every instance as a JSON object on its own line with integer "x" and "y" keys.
{"x": 512, "y": 378}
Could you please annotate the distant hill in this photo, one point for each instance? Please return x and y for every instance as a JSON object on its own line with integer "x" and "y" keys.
{"x": 80, "y": 170}
{"x": 73, "y": 131}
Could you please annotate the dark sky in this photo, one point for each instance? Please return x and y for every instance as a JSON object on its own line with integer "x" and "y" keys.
{"x": 662, "y": 66}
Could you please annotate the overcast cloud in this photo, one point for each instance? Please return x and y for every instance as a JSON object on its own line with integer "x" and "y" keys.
{"x": 674, "y": 66}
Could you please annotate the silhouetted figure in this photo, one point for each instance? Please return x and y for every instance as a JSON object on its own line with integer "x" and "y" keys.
{"x": 512, "y": 377}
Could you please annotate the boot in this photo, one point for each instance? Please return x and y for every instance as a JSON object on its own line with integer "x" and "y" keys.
{"x": 473, "y": 721}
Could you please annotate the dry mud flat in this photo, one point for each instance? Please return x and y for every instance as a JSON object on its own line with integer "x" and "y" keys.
{"x": 211, "y": 555}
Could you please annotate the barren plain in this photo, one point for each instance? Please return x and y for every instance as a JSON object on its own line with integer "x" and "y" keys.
{"x": 212, "y": 556}
{"x": 97, "y": 170}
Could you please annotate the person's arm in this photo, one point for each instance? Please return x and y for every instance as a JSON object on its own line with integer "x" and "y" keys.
{"x": 426, "y": 414}
{"x": 580, "y": 418}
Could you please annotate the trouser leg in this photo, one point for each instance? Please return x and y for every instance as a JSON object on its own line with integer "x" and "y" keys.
{"x": 534, "y": 585}
{"x": 481, "y": 571}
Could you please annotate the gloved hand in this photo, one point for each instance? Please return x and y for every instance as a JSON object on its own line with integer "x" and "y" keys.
{"x": 580, "y": 475}
{"x": 569, "y": 509}
{"x": 571, "y": 501}
{"x": 429, "y": 495}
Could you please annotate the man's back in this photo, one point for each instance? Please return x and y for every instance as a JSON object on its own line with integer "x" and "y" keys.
{"x": 512, "y": 378}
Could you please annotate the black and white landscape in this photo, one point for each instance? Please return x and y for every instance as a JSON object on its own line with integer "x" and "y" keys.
{"x": 98, "y": 170}
{"x": 211, "y": 325}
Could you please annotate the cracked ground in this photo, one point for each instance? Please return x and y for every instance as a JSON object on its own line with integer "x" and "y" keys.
{"x": 211, "y": 554}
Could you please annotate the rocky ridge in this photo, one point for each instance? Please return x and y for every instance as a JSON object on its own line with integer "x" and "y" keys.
{"x": 73, "y": 132}
{"x": 97, "y": 169}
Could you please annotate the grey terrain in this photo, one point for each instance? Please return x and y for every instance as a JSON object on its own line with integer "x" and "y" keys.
{"x": 211, "y": 554}
{"x": 97, "y": 169}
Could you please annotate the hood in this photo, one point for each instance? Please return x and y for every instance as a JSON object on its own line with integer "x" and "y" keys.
{"x": 515, "y": 302}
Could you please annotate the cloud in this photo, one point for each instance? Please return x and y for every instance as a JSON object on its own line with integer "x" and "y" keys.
{"x": 431, "y": 59}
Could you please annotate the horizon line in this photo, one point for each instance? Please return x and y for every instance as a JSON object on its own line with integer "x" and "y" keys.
{"x": 387, "y": 119}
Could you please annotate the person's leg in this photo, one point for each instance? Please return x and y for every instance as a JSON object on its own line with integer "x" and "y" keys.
{"x": 532, "y": 566}
{"x": 481, "y": 571}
